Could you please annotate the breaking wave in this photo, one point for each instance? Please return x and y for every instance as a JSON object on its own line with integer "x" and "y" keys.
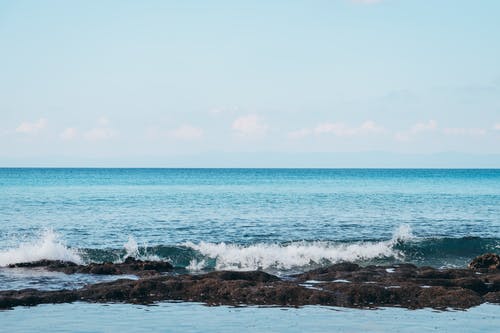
{"x": 296, "y": 254}
{"x": 48, "y": 246}
{"x": 275, "y": 257}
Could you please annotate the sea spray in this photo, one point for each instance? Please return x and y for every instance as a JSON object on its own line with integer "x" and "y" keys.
{"x": 48, "y": 246}
{"x": 296, "y": 254}
{"x": 402, "y": 233}
{"x": 293, "y": 256}
{"x": 132, "y": 249}
{"x": 196, "y": 265}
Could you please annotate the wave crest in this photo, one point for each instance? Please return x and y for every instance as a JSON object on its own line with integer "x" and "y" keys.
{"x": 296, "y": 254}
{"x": 47, "y": 246}
{"x": 274, "y": 257}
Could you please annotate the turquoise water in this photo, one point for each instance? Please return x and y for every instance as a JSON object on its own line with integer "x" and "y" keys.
{"x": 274, "y": 219}
{"x": 189, "y": 317}
{"x": 277, "y": 220}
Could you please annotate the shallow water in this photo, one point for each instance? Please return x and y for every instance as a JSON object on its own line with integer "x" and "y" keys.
{"x": 192, "y": 317}
{"x": 24, "y": 278}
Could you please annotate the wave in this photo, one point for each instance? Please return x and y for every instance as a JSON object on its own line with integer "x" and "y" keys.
{"x": 274, "y": 257}
{"x": 296, "y": 254}
{"x": 48, "y": 246}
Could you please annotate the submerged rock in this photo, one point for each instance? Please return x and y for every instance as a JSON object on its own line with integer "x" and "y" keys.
{"x": 403, "y": 285}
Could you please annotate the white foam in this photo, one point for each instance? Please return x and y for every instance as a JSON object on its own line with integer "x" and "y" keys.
{"x": 402, "y": 233}
{"x": 196, "y": 266}
{"x": 296, "y": 254}
{"x": 309, "y": 286}
{"x": 314, "y": 282}
{"x": 47, "y": 246}
{"x": 131, "y": 247}
{"x": 133, "y": 250}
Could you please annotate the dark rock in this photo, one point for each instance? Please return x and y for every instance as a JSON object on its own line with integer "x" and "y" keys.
{"x": 442, "y": 298}
{"x": 472, "y": 283}
{"x": 345, "y": 284}
{"x": 333, "y": 272}
{"x": 49, "y": 264}
{"x": 129, "y": 266}
{"x": 492, "y": 297}
{"x": 257, "y": 276}
{"x": 31, "y": 297}
{"x": 431, "y": 273}
{"x": 493, "y": 283}
{"x": 488, "y": 261}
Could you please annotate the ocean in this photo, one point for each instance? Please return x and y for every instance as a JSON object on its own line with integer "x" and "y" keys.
{"x": 282, "y": 221}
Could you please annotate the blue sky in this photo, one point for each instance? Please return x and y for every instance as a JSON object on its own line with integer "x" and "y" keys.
{"x": 250, "y": 83}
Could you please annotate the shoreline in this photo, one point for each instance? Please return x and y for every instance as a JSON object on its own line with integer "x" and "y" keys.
{"x": 344, "y": 285}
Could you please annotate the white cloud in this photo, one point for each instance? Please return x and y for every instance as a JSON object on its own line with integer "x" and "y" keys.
{"x": 370, "y": 127}
{"x": 341, "y": 129}
{"x": 250, "y": 125}
{"x": 496, "y": 127}
{"x": 338, "y": 129}
{"x": 417, "y": 128}
{"x": 464, "y": 131}
{"x": 431, "y": 125}
{"x": 32, "y": 128}
{"x": 68, "y": 134}
{"x": 186, "y": 132}
{"x": 99, "y": 134}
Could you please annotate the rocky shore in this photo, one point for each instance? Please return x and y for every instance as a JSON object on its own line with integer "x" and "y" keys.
{"x": 344, "y": 284}
{"x": 129, "y": 266}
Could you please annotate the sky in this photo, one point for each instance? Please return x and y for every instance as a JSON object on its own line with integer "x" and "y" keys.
{"x": 338, "y": 83}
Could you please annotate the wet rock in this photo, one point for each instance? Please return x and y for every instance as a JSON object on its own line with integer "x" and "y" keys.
{"x": 257, "y": 276}
{"x": 492, "y": 297}
{"x": 31, "y": 297}
{"x": 128, "y": 266}
{"x": 345, "y": 284}
{"x": 488, "y": 261}
{"x": 360, "y": 295}
{"x": 44, "y": 263}
{"x": 472, "y": 283}
{"x": 431, "y": 273}
{"x": 493, "y": 283}
{"x": 333, "y": 272}
{"x": 442, "y": 298}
